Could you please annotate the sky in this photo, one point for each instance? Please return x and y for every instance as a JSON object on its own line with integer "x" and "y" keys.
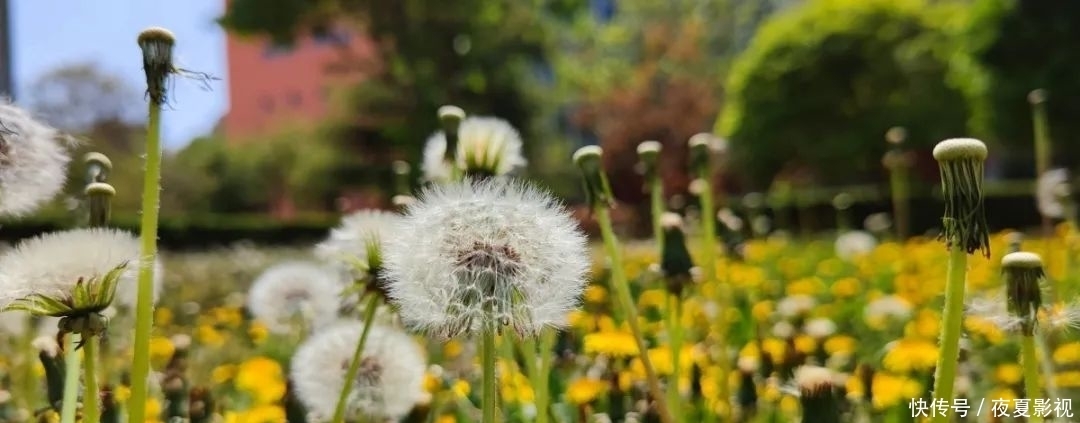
{"x": 48, "y": 34}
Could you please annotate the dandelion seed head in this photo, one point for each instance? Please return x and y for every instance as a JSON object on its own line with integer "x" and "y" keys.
{"x": 795, "y": 305}
{"x": 487, "y": 145}
{"x": 813, "y": 379}
{"x": 295, "y": 290}
{"x": 888, "y": 307}
{"x": 389, "y": 382}
{"x": 852, "y": 244}
{"x": 33, "y": 161}
{"x": 51, "y": 264}
{"x": 671, "y": 220}
{"x": 647, "y": 148}
{"x": 960, "y": 149}
{"x": 820, "y": 328}
{"x": 1047, "y": 196}
{"x": 358, "y": 234}
{"x": 479, "y": 252}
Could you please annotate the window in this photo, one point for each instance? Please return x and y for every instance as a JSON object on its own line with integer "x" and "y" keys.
{"x": 266, "y": 103}
{"x": 295, "y": 98}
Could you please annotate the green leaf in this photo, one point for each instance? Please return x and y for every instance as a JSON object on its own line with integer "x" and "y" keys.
{"x": 40, "y": 305}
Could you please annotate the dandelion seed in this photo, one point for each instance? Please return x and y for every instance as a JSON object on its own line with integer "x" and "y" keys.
{"x": 357, "y": 241}
{"x": 483, "y": 252}
{"x": 487, "y": 146}
{"x": 33, "y": 161}
{"x": 53, "y": 265}
{"x": 295, "y": 290}
{"x": 390, "y": 381}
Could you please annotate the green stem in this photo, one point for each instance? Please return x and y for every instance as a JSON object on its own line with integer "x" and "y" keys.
{"x": 898, "y": 181}
{"x": 1028, "y": 358}
{"x": 1042, "y": 155}
{"x": 543, "y": 388}
{"x": 144, "y": 311}
{"x": 723, "y": 291}
{"x": 488, "y": 353}
{"x": 945, "y": 378}
{"x": 71, "y": 380}
{"x": 533, "y": 370}
{"x": 656, "y": 200}
{"x": 1047, "y": 364}
{"x": 354, "y": 365}
{"x": 675, "y": 329}
{"x": 622, "y": 291}
{"x": 92, "y": 397}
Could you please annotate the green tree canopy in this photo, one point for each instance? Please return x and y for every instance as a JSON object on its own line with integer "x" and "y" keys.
{"x": 1022, "y": 46}
{"x": 822, "y": 82}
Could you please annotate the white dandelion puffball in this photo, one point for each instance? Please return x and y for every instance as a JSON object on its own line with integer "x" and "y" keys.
{"x": 852, "y": 244}
{"x": 33, "y": 161}
{"x": 358, "y": 232}
{"x": 492, "y": 251}
{"x": 387, "y": 385}
{"x": 1047, "y": 192}
{"x": 52, "y": 263}
{"x": 295, "y": 289}
{"x": 486, "y": 144}
{"x": 889, "y": 307}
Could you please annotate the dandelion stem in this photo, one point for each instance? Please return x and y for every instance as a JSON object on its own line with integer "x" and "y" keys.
{"x": 487, "y": 355}
{"x": 656, "y": 200}
{"x": 1047, "y": 365}
{"x": 723, "y": 292}
{"x": 354, "y": 365}
{"x": 144, "y": 310}
{"x": 898, "y": 180}
{"x": 622, "y": 291}
{"x": 675, "y": 329}
{"x": 543, "y": 391}
{"x": 945, "y": 377}
{"x": 71, "y": 380}
{"x": 1028, "y": 357}
{"x": 92, "y": 397}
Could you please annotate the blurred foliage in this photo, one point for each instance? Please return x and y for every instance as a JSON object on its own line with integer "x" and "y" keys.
{"x": 821, "y": 83}
{"x": 1022, "y": 46}
{"x": 477, "y": 54}
{"x": 654, "y": 71}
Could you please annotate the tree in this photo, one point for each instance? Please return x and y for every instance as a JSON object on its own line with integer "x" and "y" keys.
{"x": 76, "y": 97}
{"x": 473, "y": 53}
{"x": 652, "y": 70}
{"x": 820, "y": 84}
{"x": 1020, "y": 46}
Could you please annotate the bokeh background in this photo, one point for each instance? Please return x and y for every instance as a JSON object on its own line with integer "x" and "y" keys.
{"x": 315, "y": 99}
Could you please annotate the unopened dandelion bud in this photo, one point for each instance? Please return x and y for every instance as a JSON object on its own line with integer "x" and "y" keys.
{"x": 597, "y": 191}
{"x": 1037, "y": 96}
{"x": 649, "y": 155}
{"x": 98, "y": 167}
{"x": 896, "y": 135}
{"x": 960, "y": 161}
{"x": 701, "y": 150}
{"x": 817, "y": 394}
{"x": 675, "y": 261}
{"x": 450, "y": 118}
{"x": 99, "y": 196}
{"x": 1014, "y": 240}
{"x": 1023, "y": 271}
{"x": 157, "y": 46}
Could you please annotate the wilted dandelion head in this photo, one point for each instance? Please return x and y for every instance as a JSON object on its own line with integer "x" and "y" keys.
{"x": 33, "y": 161}
{"x": 357, "y": 241}
{"x": 485, "y": 252}
{"x": 387, "y": 386}
{"x": 295, "y": 292}
{"x": 852, "y": 244}
{"x": 52, "y": 264}
{"x": 1050, "y": 189}
{"x": 961, "y": 162}
{"x": 487, "y": 146}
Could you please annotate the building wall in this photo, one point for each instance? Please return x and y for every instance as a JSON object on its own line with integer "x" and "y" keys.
{"x": 271, "y": 85}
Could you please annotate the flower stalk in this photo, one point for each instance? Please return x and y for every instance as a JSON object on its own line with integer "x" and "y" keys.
{"x": 897, "y": 161}
{"x": 354, "y": 364}
{"x": 488, "y": 353}
{"x": 961, "y": 165}
{"x": 157, "y": 46}
{"x": 649, "y": 157}
{"x": 598, "y": 195}
{"x": 1023, "y": 272}
{"x": 1041, "y": 127}
{"x": 92, "y": 396}
{"x": 71, "y": 380}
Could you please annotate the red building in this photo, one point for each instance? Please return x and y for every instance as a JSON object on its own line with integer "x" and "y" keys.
{"x": 272, "y": 85}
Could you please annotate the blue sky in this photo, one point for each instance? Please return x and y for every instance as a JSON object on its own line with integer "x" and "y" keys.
{"x": 48, "y": 34}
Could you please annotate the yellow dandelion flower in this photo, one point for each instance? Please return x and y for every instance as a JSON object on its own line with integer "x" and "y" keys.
{"x": 1068, "y": 353}
{"x": 846, "y": 288}
{"x": 855, "y": 389}
{"x": 262, "y": 414}
{"x": 209, "y": 336}
{"x": 762, "y": 310}
{"x": 262, "y": 378}
{"x": 789, "y": 405}
{"x": 908, "y": 355}
{"x": 163, "y": 316}
{"x": 161, "y": 350}
{"x": 984, "y": 328}
{"x": 153, "y": 409}
{"x": 840, "y": 345}
{"x": 258, "y": 332}
{"x": 121, "y": 393}
{"x": 461, "y": 388}
{"x": 595, "y": 294}
{"x": 1069, "y": 379}
{"x": 656, "y": 298}
{"x": 776, "y": 349}
{"x": 581, "y": 320}
{"x": 223, "y": 373}
{"x": 453, "y": 348}
{"x": 1002, "y": 393}
{"x": 806, "y": 286}
{"x": 805, "y": 344}
{"x": 618, "y": 344}
{"x": 431, "y": 383}
{"x": 1008, "y": 374}
{"x": 890, "y": 390}
{"x": 447, "y": 418}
